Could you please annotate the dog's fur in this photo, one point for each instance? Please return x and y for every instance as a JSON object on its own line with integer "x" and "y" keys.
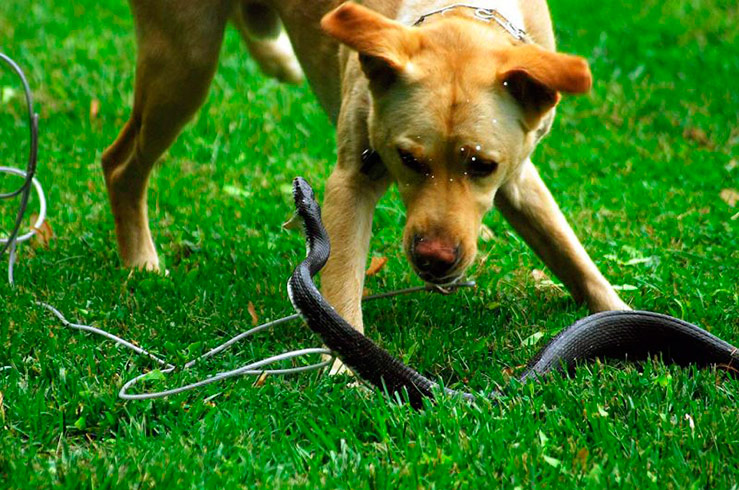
{"x": 453, "y": 109}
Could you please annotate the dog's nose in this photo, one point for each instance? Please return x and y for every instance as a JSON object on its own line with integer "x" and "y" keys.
{"x": 434, "y": 257}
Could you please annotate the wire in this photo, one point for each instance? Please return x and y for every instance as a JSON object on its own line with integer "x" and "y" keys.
{"x": 254, "y": 368}
{"x": 10, "y": 243}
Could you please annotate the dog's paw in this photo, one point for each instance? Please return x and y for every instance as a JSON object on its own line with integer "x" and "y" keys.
{"x": 277, "y": 59}
{"x": 145, "y": 263}
{"x": 339, "y": 368}
{"x": 607, "y": 300}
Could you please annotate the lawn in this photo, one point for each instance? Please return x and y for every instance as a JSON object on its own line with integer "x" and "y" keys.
{"x": 638, "y": 166}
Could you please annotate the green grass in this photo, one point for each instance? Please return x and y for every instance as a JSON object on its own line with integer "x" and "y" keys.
{"x": 637, "y": 166}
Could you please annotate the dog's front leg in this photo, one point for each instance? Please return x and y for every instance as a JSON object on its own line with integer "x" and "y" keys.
{"x": 528, "y": 205}
{"x": 348, "y": 208}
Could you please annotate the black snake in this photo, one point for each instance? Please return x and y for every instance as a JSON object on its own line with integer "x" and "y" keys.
{"x": 614, "y": 334}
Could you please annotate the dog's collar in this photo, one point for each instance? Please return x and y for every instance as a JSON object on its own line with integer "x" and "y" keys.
{"x": 483, "y": 14}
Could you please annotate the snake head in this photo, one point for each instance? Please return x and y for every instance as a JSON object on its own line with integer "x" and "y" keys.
{"x": 317, "y": 242}
{"x": 305, "y": 198}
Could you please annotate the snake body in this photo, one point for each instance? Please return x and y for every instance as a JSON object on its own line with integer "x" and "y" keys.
{"x": 631, "y": 335}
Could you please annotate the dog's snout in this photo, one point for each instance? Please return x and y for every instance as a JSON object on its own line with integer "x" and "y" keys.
{"x": 434, "y": 258}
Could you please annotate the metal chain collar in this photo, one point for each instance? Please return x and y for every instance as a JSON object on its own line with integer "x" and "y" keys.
{"x": 483, "y": 14}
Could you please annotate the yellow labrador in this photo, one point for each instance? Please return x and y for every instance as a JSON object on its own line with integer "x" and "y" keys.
{"x": 446, "y": 100}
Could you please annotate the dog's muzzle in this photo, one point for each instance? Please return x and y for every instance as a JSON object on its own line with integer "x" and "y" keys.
{"x": 435, "y": 259}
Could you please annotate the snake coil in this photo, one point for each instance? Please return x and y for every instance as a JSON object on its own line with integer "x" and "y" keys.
{"x": 632, "y": 335}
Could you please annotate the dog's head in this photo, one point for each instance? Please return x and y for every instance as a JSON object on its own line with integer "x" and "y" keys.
{"x": 457, "y": 107}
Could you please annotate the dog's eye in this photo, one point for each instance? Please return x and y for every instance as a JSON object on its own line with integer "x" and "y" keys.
{"x": 413, "y": 163}
{"x": 480, "y": 167}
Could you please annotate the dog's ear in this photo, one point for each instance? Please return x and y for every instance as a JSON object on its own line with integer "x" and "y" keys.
{"x": 535, "y": 77}
{"x": 384, "y": 45}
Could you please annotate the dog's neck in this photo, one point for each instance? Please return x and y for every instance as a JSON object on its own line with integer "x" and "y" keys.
{"x": 412, "y": 10}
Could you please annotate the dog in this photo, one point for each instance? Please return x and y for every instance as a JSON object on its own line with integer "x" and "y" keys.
{"x": 446, "y": 100}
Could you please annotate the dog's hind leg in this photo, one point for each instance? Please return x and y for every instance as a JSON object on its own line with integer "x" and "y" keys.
{"x": 178, "y": 45}
{"x": 266, "y": 40}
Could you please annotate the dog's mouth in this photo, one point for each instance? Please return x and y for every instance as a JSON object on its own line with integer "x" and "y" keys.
{"x": 453, "y": 274}
{"x": 441, "y": 281}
